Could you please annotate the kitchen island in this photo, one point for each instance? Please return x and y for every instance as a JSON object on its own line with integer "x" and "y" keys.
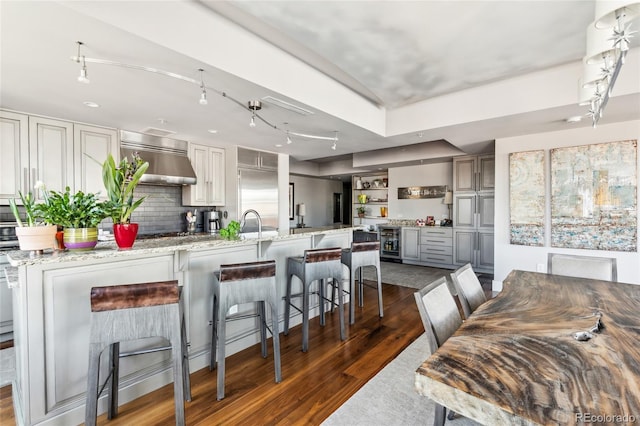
{"x": 52, "y": 310}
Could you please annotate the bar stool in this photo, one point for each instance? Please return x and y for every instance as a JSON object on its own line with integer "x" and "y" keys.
{"x": 131, "y": 312}
{"x": 240, "y": 283}
{"x": 315, "y": 265}
{"x": 361, "y": 254}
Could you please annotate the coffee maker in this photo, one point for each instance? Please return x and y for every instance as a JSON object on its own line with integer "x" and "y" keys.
{"x": 211, "y": 220}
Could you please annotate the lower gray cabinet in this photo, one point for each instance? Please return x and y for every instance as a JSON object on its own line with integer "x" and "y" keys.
{"x": 410, "y": 245}
{"x": 475, "y": 247}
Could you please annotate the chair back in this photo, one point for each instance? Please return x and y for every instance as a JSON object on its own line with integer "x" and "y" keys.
{"x": 469, "y": 289}
{"x": 129, "y": 296}
{"x": 322, "y": 255}
{"x": 439, "y": 312}
{"x": 597, "y": 268}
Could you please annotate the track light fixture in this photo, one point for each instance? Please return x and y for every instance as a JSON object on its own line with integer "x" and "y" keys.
{"x": 83, "y": 77}
{"x": 203, "y": 95}
{"x": 252, "y": 106}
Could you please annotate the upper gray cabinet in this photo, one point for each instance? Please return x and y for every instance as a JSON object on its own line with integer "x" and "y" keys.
{"x": 473, "y": 174}
{"x": 257, "y": 159}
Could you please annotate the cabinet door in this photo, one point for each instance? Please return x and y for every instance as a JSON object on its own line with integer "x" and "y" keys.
{"x": 92, "y": 146}
{"x": 14, "y": 155}
{"x": 464, "y": 247}
{"x": 248, "y": 158}
{"x": 51, "y": 153}
{"x": 268, "y": 160}
{"x": 486, "y": 204}
{"x": 410, "y": 243}
{"x": 197, "y": 195}
{"x": 485, "y": 250}
{"x": 216, "y": 177}
{"x": 464, "y": 210}
{"x": 464, "y": 174}
{"x": 486, "y": 173}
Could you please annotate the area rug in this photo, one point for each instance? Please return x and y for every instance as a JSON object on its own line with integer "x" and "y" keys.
{"x": 406, "y": 275}
{"x": 389, "y": 398}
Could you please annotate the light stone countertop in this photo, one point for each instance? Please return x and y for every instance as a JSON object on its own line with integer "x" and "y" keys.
{"x": 155, "y": 246}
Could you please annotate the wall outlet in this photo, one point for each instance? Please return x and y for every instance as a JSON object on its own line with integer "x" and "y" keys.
{"x": 540, "y": 267}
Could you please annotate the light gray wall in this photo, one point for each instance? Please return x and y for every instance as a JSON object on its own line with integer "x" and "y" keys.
{"x": 509, "y": 257}
{"x": 317, "y": 196}
{"x": 436, "y": 174}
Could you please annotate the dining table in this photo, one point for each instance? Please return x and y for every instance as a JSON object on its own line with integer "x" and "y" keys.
{"x": 547, "y": 350}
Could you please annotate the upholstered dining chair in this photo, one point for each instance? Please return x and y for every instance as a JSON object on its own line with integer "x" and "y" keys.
{"x": 441, "y": 318}
{"x": 468, "y": 288}
{"x": 597, "y": 268}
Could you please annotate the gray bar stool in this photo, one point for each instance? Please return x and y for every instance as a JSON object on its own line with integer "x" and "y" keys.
{"x": 131, "y": 312}
{"x": 315, "y": 265}
{"x": 361, "y": 254}
{"x": 240, "y": 283}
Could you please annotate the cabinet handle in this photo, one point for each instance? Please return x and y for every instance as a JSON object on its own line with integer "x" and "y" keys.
{"x": 435, "y": 249}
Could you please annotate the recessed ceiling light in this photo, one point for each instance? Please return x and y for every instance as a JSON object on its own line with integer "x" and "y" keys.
{"x": 162, "y": 121}
{"x": 212, "y": 131}
{"x": 278, "y": 145}
{"x": 574, "y": 119}
{"x": 91, "y": 104}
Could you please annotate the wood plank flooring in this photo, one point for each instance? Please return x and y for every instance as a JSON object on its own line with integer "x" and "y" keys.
{"x": 314, "y": 384}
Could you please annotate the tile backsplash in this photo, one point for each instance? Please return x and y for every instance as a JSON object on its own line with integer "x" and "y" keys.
{"x": 161, "y": 212}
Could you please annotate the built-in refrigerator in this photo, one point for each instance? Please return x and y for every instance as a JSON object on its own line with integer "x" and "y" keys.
{"x": 258, "y": 190}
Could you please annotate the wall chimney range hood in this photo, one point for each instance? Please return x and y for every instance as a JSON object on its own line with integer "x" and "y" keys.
{"x": 168, "y": 158}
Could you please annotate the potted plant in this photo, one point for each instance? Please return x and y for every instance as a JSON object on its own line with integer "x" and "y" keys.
{"x": 361, "y": 211}
{"x": 34, "y": 233}
{"x": 79, "y": 214}
{"x": 120, "y": 180}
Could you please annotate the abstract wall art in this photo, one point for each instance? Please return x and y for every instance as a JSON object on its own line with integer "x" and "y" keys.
{"x": 594, "y": 196}
{"x": 527, "y": 198}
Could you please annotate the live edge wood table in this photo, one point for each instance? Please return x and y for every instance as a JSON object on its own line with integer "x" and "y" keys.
{"x": 515, "y": 361}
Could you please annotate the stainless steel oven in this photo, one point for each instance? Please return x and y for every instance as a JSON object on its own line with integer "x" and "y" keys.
{"x": 390, "y": 242}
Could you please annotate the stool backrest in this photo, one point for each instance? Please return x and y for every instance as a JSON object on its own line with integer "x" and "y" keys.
{"x": 365, "y": 246}
{"x": 110, "y": 298}
{"x": 246, "y": 271}
{"x": 322, "y": 255}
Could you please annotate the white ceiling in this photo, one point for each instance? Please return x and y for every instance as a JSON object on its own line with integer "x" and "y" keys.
{"x": 382, "y": 74}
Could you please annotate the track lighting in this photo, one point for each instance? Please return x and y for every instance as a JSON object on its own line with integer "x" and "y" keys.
{"x": 83, "y": 77}
{"x": 334, "y": 146}
{"x": 203, "y": 95}
{"x": 254, "y": 106}
{"x": 252, "y": 123}
{"x": 289, "y": 141}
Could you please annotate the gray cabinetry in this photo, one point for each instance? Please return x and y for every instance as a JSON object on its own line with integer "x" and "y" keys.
{"x": 473, "y": 211}
{"x": 436, "y": 246}
{"x": 410, "y": 244}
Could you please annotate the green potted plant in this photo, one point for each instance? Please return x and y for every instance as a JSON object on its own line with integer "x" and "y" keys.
{"x": 361, "y": 211}
{"x": 35, "y": 233}
{"x": 79, "y": 214}
{"x": 120, "y": 180}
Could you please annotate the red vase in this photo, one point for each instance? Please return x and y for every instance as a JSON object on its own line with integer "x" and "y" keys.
{"x": 125, "y": 234}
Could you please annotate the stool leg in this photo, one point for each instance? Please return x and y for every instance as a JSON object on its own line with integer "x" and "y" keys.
{"x": 114, "y": 380}
{"x": 93, "y": 379}
{"x": 305, "y": 317}
{"x": 178, "y": 383}
{"x": 380, "y": 308}
{"x": 360, "y": 287}
{"x": 263, "y": 328}
{"x": 322, "y": 283}
{"x": 276, "y": 338}
{"x": 352, "y": 296}
{"x": 287, "y": 304}
{"x": 222, "y": 312}
{"x": 186, "y": 378}
{"x": 341, "y": 314}
{"x": 214, "y": 332}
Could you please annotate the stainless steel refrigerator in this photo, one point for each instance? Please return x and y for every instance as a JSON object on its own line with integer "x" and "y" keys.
{"x": 258, "y": 190}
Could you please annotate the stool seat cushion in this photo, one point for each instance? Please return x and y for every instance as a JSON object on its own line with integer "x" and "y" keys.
{"x": 133, "y": 296}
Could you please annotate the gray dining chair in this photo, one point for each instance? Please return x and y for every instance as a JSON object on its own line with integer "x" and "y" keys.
{"x": 469, "y": 290}
{"x": 441, "y": 318}
{"x": 597, "y": 268}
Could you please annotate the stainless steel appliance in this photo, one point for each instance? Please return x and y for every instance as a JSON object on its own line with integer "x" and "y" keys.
{"x": 8, "y": 241}
{"x": 211, "y": 221}
{"x": 258, "y": 190}
{"x": 390, "y": 242}
{"x": 168, "y": 158}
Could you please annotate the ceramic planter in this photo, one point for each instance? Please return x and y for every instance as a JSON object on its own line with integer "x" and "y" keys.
{"x": 36, "y": 237}
{"x": 80, "y": 239}
{"x": 125, "y": 234}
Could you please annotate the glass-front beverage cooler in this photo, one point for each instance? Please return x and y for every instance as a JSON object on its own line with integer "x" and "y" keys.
{"x": 389, "y": 242}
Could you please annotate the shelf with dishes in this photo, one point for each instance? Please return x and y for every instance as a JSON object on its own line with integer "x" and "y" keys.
{"x": 370, "y": 198}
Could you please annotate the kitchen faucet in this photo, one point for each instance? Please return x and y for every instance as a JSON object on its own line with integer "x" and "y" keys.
{"x": 244, "y": 217}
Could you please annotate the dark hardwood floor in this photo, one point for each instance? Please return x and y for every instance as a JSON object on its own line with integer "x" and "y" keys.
{"x": 314, "y": 384}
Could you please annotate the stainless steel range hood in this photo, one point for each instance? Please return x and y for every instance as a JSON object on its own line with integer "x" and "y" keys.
{"x": 168, "y": 160}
